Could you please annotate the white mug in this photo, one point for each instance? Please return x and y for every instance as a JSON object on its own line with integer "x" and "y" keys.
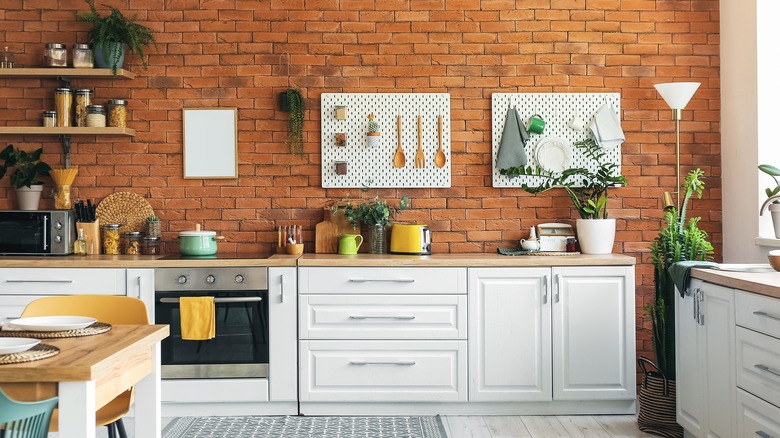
{"x": 577, "y": 124}
{"x": 529, "y": 244}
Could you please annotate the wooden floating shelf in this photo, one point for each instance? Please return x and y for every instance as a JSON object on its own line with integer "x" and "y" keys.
{"x": 65, "y": 130}
{"x": 53, "y": 72}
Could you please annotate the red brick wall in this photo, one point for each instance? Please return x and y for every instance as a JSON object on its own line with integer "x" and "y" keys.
{"x": 234, "y": 53}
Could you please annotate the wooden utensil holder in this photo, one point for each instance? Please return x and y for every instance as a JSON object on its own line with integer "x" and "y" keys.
{"x": 91, "y": 235}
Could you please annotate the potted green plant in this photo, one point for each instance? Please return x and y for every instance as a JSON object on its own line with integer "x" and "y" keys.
{"x": 588, "y": 191}
{"x": 111, "y": 33}
{"x": 373, "y": 136}
{"x": 28, "y": 167}
{"x": 291, "y": 100}
{"x": 678, "y": 240}
{"x": 375, "y": 214}
{"x": 772, "y": 192}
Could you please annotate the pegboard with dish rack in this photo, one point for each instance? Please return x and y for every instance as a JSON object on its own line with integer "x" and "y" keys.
{"x": 351, "y": 159}
{"x": 557, "y": 110}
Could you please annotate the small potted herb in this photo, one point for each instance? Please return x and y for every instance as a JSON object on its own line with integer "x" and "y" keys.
{"x": 373, "y": 136}
{"x": 28, "y": 167}
{"x": 110, "y": 34}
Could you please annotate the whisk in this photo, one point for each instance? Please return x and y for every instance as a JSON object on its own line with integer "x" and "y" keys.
{"x": 63, "y": 178}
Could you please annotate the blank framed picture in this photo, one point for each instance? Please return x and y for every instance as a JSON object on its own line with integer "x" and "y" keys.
{"x": 210, "y": 143}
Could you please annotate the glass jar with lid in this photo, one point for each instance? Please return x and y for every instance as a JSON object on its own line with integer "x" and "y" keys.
{"x": 82, "y": 98}
{"x": 111, "y": 239}
{"x": 6, "y": 58}
{"x": 49, "y": 119}
{"x": 132, "y": 243}
{"x": 82, "y": 56}
{"x": 96, "y": 116}
{"x": 55, "y": 55}
{"x": 117, "y": 113}
{"x": 150, "y": 245}
{"x": 63, "y": 102}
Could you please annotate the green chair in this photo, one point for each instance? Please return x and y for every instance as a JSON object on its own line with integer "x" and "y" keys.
{"x": 25, "y": 419}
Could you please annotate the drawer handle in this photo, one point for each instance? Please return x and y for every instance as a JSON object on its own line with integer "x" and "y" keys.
{"x": 381, "y": 280}
{"x": 763, "y": 434}
{"x": 763, "y": 367}
{"x": 382, "y": 317}
{"x": 39, "y": 281}
{"x": 382, "y": 362}
{"x": 766, "y": 315}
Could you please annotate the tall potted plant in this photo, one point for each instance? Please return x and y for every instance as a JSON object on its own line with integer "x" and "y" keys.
{"x": 28, "y": 167}
{"x": 110, "y": 34}
{"x": 588, "y": 191}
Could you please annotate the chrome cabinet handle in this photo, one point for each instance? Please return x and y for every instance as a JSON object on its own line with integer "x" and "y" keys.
{"x": 382, "y": 362}
{"x": 763, "y": 367}
{"x": 220, "y": 300}
{"x": 281, "y": 281}
{"x": 558, "y": 288}
{"x": 381, "y": 280}
{"x": 382, "y": 317}
{"x": 40, "y": 281}
{"x": 45, "y": 232}
{"x": 763, "y": 434}
{"x": 766, "y": 315}
{"x": 546, "y": 287}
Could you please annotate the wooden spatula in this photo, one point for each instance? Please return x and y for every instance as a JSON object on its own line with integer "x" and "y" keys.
{"x": 440, "y": 158}
{"x": 419, "y": 158}
{"x": 399, "y": 160}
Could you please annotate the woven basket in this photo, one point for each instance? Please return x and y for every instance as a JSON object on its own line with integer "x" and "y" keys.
{"x": 657, "y": 403}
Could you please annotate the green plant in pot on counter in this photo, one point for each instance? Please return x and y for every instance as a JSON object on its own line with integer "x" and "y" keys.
{"x": 374, "y": 213}
{"x": 292, "y": 101}
{"x": 588, "y": 190}
{"x": 111, "y": 33}
{"x": 27, "y": 169}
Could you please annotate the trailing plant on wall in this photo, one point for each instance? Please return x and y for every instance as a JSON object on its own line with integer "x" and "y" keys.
{"x": 296, "y": 105}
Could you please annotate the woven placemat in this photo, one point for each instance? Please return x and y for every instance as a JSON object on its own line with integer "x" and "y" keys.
{"x": 127, "y": 209}
{"x": 95, "y": 329}
{"x": 40, "y": 351}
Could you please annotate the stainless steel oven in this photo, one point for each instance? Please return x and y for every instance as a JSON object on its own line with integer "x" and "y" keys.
{"x": 241, "y": 346}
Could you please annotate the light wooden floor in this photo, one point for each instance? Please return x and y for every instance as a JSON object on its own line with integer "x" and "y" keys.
{"x": 582, "y": 426}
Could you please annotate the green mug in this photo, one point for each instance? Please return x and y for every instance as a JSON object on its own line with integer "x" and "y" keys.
{"x": 536, "y": 124}
{"x": 350, "y": 243}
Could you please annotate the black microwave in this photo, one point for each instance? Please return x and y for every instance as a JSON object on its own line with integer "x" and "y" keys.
{"x": 40, "y": 232}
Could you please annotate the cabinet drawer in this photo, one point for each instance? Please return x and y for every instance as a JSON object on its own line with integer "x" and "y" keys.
{"x": 330, "y": 280}
{"x": 759, "y": 313}
{"x": 755, "y": 417}
{"x": 758, "y": 364}
{"x": 382, "y": 316}
{"x": 379, "y": 371}
{"x": 62, "y": 281}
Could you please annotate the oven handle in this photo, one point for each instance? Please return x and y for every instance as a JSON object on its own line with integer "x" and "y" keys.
{"x": 220, "y": 300}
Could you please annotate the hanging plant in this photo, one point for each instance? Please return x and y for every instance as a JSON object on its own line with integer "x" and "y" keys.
{"x": 295, "y": 105}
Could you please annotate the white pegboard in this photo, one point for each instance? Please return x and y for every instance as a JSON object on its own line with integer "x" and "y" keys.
{"x": 557, "y": 109}
{"x": 374, "y": 166}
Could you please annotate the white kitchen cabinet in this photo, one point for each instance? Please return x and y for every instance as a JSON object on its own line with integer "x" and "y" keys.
{"x": 541, "y": 334}
{"x": 140, "y": 284}
{"x": 705, "y": 352}
{"x": 282, "y": 311}
{"x": 756, "y": 417}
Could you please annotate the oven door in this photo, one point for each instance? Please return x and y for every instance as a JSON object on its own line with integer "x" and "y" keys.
{"x": 240, "y": 348}
{"x": 24, "y": 233}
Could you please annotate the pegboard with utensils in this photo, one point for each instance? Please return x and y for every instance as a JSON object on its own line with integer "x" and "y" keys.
{"x": 348, "y": 158}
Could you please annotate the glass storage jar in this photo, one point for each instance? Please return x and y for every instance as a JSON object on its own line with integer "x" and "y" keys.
{"x": 82, "y": 98}
{"x": 63, "y": 102}
{"x": 82, "y": 56}
{"x": 132, "y": 243}
{"x": 117, "y": 113}
{"x": 96, "y": 116}
{"x": 62, "y": 199}
{"x": 6, "y": 59}
{"x": 151, "y": 245}
{"x": 111, "y": 239}
{"x": 49, "y": 119}
{"x": 55, "y": 55}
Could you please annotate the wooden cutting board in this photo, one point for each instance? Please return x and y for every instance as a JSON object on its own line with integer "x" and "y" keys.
{"x": 326, "y": 238}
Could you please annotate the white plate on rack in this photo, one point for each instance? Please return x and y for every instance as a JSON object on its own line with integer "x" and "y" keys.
{"x": 52, "y": 323}
{"x": 17, "y": 345}
{"x": 553, "y": 154}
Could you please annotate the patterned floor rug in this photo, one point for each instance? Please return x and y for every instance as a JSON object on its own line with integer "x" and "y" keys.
{"x": 305, "y": 427}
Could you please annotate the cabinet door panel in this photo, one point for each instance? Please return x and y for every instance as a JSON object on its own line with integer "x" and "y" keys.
{"x": 718, "y": 325}
{"x": 688, "y": 359}
{"x": 509, "y": 334}
{"x": 593, "y": 333}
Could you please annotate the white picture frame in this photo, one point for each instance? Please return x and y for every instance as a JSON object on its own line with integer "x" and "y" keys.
{"x": 210, "y": 143}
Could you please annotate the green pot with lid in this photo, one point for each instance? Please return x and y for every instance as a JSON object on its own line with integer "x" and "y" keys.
{"x": 198, "y": 242}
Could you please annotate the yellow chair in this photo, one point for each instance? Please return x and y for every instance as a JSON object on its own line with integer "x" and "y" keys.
{"x": 111, "y": 309}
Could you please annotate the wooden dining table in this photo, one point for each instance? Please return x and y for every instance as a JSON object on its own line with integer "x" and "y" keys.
{"x": 89, "y": 372}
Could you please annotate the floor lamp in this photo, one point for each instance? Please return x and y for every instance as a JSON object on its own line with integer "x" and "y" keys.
{"x": 676, "y": 95}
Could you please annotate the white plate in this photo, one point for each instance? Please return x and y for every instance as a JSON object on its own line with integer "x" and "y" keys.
{"x": 16, "y": 345}
{"x": 52, "y": 323}
{"x": 744, "y": 267}
{"x": 553, "y": 154}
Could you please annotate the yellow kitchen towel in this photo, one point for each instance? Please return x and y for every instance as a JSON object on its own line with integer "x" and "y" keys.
{"x": 197, "y": 318}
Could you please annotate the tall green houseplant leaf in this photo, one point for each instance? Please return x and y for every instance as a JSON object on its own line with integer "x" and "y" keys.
{"x": 677, "y": 241}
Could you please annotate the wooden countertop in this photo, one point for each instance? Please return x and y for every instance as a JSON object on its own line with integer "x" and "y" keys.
{"x": 125, "y": 261}
{"x": 465, "y": 259}
{"x": 763, "y": 283}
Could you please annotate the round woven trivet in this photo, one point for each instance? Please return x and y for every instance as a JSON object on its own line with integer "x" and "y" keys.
{"x": 553, "y": 253}
{"x": 40, "y": 351}
{"x": 95, "y": 329}
{"x": 127, "y": 209}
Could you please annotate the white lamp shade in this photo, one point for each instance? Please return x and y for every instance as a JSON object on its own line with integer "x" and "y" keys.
{"x": 677, "y": 94}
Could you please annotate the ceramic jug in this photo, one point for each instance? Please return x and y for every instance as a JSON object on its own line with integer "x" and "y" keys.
{"x": 350, "y": 243}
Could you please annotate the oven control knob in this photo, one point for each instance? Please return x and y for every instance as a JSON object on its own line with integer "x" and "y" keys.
{"x": 182, "y": 279}
{"x": 239, "y": 278}
{"x": 58, "y": 225}
{"x": 210, "y": 279}
{"x": 58, "y": 239}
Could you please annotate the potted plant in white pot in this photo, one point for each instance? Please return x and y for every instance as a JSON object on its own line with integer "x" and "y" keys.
{"x": 588, "y": 191}
{"x": 772, "y": 194}
{"x": 111, "y": 33}
{"x": 28, "y": 167}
